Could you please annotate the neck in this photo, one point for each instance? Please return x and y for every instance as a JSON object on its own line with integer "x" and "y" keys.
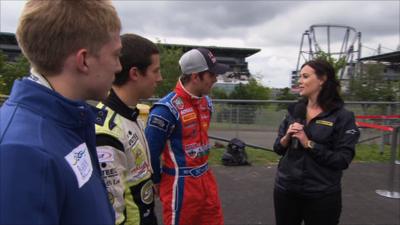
{"x": 191, "y": 89}
{"x": 65, "y": 85}
{"x": 127, "y": 96}
{"x": 312, "y": 103}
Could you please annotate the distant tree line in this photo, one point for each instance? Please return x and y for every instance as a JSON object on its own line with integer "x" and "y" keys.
{"x": 370, "y": 85}
{"x": 252, "y": 90}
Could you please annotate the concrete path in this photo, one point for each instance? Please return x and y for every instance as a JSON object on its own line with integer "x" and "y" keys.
{"x": 246, "y": 195}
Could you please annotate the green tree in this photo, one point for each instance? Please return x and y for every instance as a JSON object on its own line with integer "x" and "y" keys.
{"x": 246, "y": 112}
{"x": 371, "y": 85}
{"x": 337, "y": 64}
{"x": 285, "y": 94}
{"x": 218, "y": 93}
{"x": 170, "y": 70}
{"x": 252, "y": 90}
{"x": 10, "y": 71}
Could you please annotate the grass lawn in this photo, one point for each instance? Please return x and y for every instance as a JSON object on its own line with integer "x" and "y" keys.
{"x": 364, "y": 153}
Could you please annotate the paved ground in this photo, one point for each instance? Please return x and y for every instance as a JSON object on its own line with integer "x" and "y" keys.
{"x": 246, "y": 195}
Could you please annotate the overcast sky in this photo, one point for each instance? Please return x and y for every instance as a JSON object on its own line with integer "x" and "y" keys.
{"x": 275, "y": 27}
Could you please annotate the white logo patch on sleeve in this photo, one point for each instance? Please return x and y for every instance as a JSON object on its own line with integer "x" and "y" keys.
{"x": 79, "y": 160}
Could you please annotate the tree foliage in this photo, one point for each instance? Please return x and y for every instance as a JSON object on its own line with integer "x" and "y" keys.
{"x": 170, "y": 70}
{"x": 252, "y": 90}
{"x": 337, "y": 64}
{"x": 219, "y": 93}
{"x": 10, "y": 71}
{"x": 371, "y": 85}
{"x": 285, "y": 94}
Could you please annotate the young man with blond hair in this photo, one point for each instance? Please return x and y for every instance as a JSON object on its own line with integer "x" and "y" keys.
{"x": 49, "y": 169}
{"x": 121, "y": 145}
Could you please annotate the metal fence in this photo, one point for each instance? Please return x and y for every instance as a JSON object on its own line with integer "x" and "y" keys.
{"x": 257, "y": 121}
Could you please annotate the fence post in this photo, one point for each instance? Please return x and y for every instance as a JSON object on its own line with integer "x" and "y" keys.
{"x": 397, "y": 162}
{"x": 391, "y": 193}
{"x": 237, "y": 121}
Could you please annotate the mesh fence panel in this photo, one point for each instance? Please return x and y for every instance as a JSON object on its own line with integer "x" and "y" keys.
{"x": 257, "y": 122}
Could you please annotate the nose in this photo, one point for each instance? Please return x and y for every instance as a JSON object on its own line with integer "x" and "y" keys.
{"x": 214, "y": 79}
{"x": 300, "y": 81}
{"x": 159, "y": 78}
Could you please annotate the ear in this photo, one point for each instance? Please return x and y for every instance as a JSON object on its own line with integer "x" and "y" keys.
{"x": 82, "y": 60}
{"x": 323, "y": 80}
{"x": 195, "y": 77}
{"x": 134, "y": 73}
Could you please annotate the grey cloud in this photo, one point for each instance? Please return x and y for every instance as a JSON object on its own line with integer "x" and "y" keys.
{"x": 194, "y": 19}
{"x": 373, "y": 19}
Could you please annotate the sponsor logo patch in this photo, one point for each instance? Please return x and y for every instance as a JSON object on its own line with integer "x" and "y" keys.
{"x": 204, "y": 116}
{"x": 158, "y": 122}
{"x": 79, "y": 160}
{"x": 146, "y": 193}
{"x": 352, "y": 131}
{"x": 324, "y": 122}
{"x": 188, "y": 117}
{"x": 133, "y": 138}
{"x": 203, "y": 108}
{"x": 105, "y": 154}
{"x": 178, "y": 103}
{"x": 186, "y": 111}
{"x": 196, "y": 150}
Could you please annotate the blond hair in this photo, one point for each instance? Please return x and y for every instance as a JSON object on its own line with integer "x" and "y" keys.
{"x": 50, "y": 30}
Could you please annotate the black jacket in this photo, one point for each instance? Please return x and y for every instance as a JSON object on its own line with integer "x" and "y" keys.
{"x": 317, "y": 172}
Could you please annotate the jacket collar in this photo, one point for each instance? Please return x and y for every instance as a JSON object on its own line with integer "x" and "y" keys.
{"x": 50, "y": 104}
{"x": 116, "y": 104}
{"x": 323, "y": 114}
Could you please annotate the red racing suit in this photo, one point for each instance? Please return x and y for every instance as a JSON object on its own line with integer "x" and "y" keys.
{"x": 177, "y": 128}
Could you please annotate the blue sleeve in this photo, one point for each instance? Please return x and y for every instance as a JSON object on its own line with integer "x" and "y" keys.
{"x": 160, "y": 124}
{"x": 30, "y": 186}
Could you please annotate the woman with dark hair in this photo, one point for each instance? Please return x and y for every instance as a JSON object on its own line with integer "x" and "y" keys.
{"x": 317, "y": 142}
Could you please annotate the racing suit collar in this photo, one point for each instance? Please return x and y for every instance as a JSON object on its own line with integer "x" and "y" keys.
{"x": 116, "y": 104}
{"x": 181, "y": 90}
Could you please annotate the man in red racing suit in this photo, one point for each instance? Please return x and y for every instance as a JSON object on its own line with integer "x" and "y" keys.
{"x": 177, "y": 129}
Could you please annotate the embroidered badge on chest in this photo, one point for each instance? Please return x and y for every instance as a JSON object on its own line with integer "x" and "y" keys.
{"x": 188, "y": 117}
{"x": 186, "y": 111}
{"x": 105, "y": 154}
{"x": 324, "y": 122}
{"x": 132, "y": 138}
{"x": 80, "y": 162}
{"x": 178, "y": 103}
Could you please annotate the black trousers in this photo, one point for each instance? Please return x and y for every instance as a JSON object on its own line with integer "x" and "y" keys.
{"x": 292, "y": 209}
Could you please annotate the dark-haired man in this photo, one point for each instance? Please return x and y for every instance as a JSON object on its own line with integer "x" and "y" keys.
{"x": 177, "y": 128}
{"x": 121, "y": 145}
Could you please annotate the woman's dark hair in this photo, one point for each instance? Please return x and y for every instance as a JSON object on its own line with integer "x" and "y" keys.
{"x": 136, "y": 52}
{"x": 329, "y": 96}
